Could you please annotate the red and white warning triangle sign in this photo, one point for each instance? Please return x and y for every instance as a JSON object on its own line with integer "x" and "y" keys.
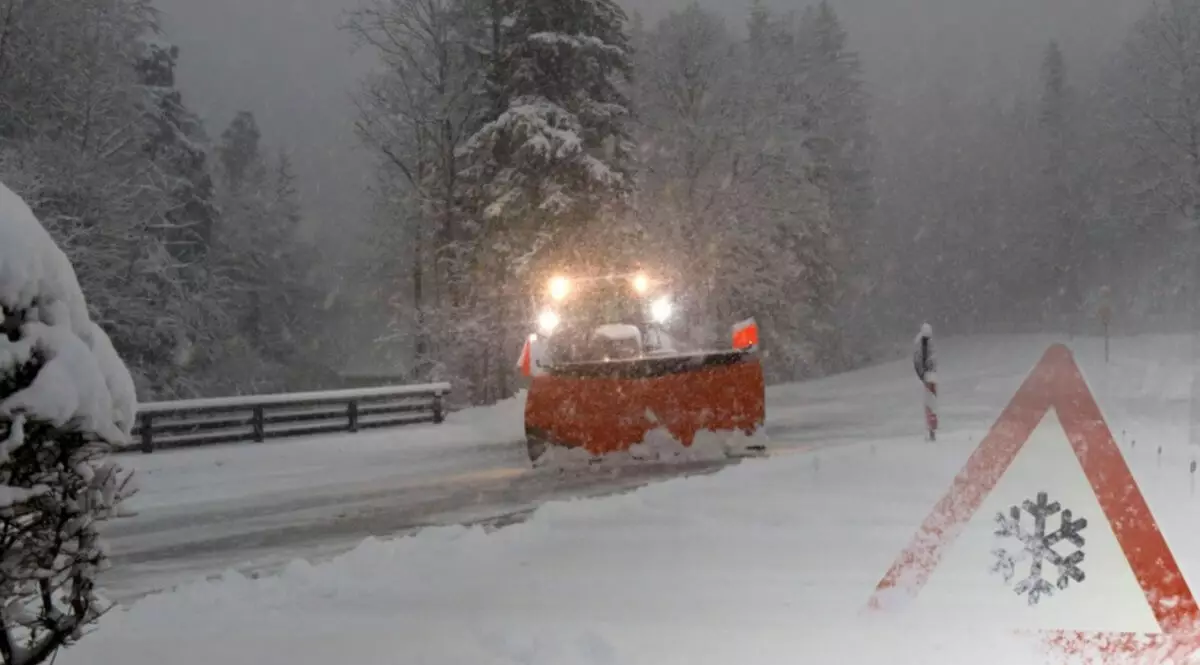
{"x": 1045, "y": 530}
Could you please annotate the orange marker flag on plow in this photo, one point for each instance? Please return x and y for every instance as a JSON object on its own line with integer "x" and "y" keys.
{"x": 1056, "y": 490}
{"x": 526, "y": 361}
{"x": 745, "y": 335}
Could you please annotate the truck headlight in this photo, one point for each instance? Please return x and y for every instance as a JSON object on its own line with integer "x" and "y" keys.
{"x": 661, "y": 310}
{"x": 559, "y": 288}
{"x": 547, "y": 322}
{"x": 641, "y": 283}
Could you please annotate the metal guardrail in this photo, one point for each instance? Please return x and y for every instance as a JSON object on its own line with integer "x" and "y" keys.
{"x": 256, "y": 418}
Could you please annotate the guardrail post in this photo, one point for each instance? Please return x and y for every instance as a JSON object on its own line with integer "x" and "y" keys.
{"x": 352, "y": 415}
{"x": 147, "y": 433}
{"x": 439, "y": 415}
{"x": 259, "y": 427}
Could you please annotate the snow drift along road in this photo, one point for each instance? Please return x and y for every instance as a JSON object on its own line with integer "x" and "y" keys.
{"x": 770, "y": 561}
{"x": 256, "y": 507}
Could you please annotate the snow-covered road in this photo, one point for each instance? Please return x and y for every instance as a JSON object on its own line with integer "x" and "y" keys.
{"x": 256, "y": 507}
{"x": 772, "y": 561}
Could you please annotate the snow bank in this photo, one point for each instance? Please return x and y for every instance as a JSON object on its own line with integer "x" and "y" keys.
{"x": 697, "y": 571}
{"x": 505, "y": 418}
{"x": 771, "y": 561}
{"x": 33, "y": 271}
{"x": 82, "y": 380}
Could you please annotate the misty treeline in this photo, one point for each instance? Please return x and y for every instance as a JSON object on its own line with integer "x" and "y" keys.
{"x": 1008, "y": 216}
{"x": 186, "y": 246}
{"x": 517, "y": 138}
{"x": 747, "y": 163}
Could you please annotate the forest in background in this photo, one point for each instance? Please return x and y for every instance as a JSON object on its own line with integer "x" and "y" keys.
{"x": 520, "y": 137}
{"x": 513, "y": 136}
{"x": 753, "y": 166}
{"x": 185, "y": 244}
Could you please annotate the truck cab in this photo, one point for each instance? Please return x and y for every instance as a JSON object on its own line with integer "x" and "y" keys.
{"x": 603, "y": 318}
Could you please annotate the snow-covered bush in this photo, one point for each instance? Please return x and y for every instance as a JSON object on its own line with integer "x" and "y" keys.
{"x": 65, "y": 399}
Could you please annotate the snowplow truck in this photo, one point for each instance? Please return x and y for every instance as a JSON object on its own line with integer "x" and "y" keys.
{"x": 604, "y": 372}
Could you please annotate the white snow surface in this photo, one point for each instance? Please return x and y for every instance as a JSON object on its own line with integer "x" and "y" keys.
{"x": 32, "y": 268}
{"x": 10, "y": 496}
{"x": 769, "y": 561}
{"x": 618, "y": 332}
{"x": 661, "y": 342}
{"x": 83, "y": 380}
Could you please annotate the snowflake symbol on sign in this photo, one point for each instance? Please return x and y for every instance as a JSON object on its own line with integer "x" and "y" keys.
{"x": 1038, "y": 545}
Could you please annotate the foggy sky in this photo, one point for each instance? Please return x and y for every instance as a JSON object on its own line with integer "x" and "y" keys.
{"x": 286, "y": 61}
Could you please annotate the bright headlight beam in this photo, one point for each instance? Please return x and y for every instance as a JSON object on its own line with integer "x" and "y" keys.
{"x": 559, "y": 288}
{"x": 641, "y": 283}
{"x": 548, "y": 321}
{"x": 661, "y": 310}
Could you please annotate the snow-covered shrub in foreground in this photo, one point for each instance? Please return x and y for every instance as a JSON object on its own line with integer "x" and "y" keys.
{"x": 65, "y": 399}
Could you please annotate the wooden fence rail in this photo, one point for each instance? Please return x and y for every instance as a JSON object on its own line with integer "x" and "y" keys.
{"x": 256, "y": 418}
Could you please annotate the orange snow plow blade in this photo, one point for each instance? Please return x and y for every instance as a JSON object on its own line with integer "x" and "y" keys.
{"x": 608, "y": 407}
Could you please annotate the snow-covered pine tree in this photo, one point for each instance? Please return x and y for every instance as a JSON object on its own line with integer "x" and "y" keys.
{"x": 728, "y": 180}
{"x": 77, "y": 129}
{"x": 785, "y": 190}
{"x": 179, "y": 150}
{"x": 415, "y": 115}
{"x": 240, "y": 154}
{"x": 548, "y": 176}
{"x": 838, "y": 116}
{"x": 297, "y": 337}
{"x": 264, "y": 266}
{"x": 687, "y": 129}
{"x": 65, "y": 399}
{"x": 1152, "y": 189}
{"x": 247, "y": 234}
{"x": 179, "y": 146}
{"x": 841, "y": 147}
{"x": 760, "y": 29}
{"x": 554, "y": 164}
{"x": 1063, "y": 215}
